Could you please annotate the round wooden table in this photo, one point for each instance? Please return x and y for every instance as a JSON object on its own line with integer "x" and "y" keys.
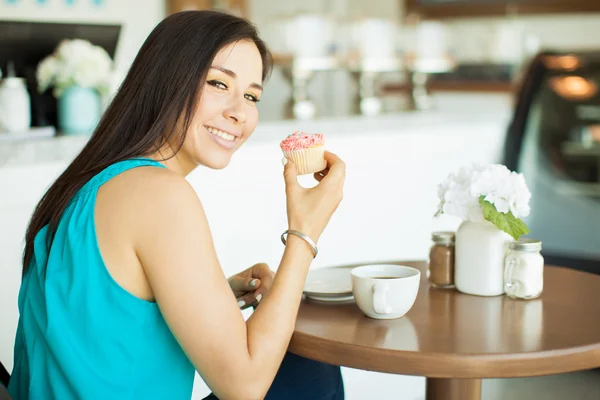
{"x": 455, "y": 340}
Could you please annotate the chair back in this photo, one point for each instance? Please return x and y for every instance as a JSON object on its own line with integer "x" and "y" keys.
{"x": 4, "y": 376}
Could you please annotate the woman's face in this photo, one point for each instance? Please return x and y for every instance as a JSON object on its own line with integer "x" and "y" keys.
{"x": 226, "y": 114}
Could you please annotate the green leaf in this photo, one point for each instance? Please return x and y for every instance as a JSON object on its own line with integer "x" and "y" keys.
{"x": 505, "y": 222}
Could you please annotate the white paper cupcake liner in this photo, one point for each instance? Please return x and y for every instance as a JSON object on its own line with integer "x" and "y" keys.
{"x": 308, "y": 161}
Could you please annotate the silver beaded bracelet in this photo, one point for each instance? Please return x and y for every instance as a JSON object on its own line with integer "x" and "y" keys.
{"x": 303, "y": 236}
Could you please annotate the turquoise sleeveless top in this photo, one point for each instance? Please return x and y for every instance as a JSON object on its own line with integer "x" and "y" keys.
{"x": 81, "y": 335}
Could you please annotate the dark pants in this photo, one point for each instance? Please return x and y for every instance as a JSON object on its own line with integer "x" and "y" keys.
{"x": 299, "y": 378}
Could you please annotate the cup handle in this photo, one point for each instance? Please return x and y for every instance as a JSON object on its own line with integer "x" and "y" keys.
{"x": 379, "y": 298}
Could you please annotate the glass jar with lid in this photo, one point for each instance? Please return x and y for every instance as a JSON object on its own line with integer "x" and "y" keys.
{"x": 441, "y": 260}
{"x": 524, "y": 269}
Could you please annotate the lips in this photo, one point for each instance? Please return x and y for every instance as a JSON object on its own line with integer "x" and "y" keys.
{"x": 222, "y": 134}
{"x": 225, "y": 140}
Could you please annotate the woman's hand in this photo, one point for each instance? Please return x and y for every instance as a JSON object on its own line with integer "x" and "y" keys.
{"x": 309, "y": 210}
{"x": 252, "y": 285}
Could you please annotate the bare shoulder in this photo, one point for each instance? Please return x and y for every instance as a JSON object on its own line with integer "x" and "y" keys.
{"x": 149, "y": 187}
{"x": 149, "y": 197}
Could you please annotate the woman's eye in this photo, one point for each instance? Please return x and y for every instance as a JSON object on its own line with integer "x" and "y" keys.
{"x": 218, "y": 84}
{"x": 223, "y": 86}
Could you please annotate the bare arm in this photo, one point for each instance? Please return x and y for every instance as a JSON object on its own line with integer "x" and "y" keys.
{"x": 174, "y": 244}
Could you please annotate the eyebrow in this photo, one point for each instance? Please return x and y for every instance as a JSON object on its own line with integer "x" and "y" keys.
{"x": 233, "y": 75}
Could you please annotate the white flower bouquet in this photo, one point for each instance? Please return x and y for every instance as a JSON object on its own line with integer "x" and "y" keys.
{"x": 75, "y": 62}
{"x": 487, "y": 193}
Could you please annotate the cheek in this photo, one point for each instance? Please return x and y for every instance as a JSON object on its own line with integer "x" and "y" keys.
{"x": 251, "y": 121}
{"x": 208, "y": 108}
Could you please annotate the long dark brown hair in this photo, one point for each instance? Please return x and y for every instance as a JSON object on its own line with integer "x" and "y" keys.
{"x": 152, "y": 108}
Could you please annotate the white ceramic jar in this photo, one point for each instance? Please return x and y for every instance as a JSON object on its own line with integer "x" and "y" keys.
{"x": 15, "y": 105}
{"x": 480, "y": 249}
{"x": 524, "y": 269}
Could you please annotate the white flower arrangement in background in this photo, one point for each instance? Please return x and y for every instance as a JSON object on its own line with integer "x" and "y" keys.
{"x": 75, "y": 62}
{"x": 487, "y": 193}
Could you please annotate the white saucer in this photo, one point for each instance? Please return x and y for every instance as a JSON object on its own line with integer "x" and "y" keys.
{"x": 337, "y": 299}
{"x": 329, "y": 283}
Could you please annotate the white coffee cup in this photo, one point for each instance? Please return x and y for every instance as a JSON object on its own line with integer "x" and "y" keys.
{"x": 385, "y": 291}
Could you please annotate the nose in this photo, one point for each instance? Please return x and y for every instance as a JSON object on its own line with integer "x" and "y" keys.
{"x": 235, "y": 110}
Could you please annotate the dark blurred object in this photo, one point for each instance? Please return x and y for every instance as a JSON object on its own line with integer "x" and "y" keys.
{"x": 235, "y": 7}
{"x": 553, "y": 140}
{"x": 4, "y": 394}
{"x": 4, "y": 376}
{"x": 465, "y": 77}
{"x": 530, "y": 86}
{"x": 437, "y": 9}
{"x": 477, "y": 73}
{"x": 28, "y": 43}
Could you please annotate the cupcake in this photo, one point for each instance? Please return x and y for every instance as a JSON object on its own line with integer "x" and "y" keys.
{"x": 306, "y": 151}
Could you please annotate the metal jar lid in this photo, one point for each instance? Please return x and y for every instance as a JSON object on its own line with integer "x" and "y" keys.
{"x": 526, "y": 245}
{"x": 443, "y": 238}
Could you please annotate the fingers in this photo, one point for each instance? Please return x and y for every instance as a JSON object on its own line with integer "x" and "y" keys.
{"x": 321, "y": 174}
{"x": 260, "y": 269}
{"x": 331, "y": 158}
{"x": 258, "y": 296}
{"x": 264, "y": 273}
{"x": 244, "y": 283}
{"x": 245, "y": 301}
{"x": 336, "y": 168}
{"x": 251, "y": 296}
{"x": 290, "y": 175}
{"x": 250, "y": 299}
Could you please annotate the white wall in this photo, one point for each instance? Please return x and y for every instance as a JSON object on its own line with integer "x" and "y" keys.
{"x": 138, "y": 18}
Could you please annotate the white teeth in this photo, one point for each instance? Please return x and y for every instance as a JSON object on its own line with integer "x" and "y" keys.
{"x": 220, "y": 134}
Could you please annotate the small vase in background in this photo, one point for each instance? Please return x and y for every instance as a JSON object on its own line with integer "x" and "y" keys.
{"x": 479, "y": 265}
{"x": 80, "y": 75}
{"x": 15, "y": 104}
{"x": 78, "y": 111}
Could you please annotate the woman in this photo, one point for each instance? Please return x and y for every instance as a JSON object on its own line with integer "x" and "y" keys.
{"x": 122, "y": 294}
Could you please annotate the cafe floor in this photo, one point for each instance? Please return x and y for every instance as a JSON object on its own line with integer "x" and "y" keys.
{"x": 583, "y": 385}
{"x": 573, "y": 386}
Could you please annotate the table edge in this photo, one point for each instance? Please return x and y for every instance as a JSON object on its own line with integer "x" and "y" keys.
{"x": 437, "y": 365}
{"x": 443, "y": 365}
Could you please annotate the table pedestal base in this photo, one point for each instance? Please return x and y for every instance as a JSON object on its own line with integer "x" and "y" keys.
{"x": 453, "y": 389}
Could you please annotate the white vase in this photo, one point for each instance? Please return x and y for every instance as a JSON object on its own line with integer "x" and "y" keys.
{"x": 15, "y": 106}
{"x": 479, "y": 258}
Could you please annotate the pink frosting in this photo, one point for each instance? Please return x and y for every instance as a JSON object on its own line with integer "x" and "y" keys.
{"x": 300, "y": 140}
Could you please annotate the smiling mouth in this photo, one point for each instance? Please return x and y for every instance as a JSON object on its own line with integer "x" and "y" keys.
{"x": 221, "y": 134}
